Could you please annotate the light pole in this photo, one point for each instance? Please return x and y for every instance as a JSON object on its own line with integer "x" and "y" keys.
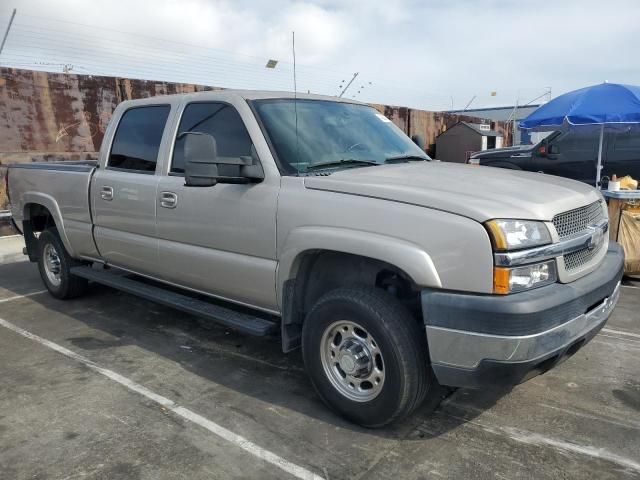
{"x": 6, "y": 33}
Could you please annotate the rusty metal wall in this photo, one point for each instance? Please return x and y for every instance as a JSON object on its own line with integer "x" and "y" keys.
{"x": 429, "y": 124}
{"x": 45, "y": 116}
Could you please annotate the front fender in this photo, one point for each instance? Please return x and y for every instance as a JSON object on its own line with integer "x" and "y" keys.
{"x": 406, "y": 256}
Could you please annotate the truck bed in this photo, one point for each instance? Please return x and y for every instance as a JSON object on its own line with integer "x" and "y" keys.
{"x": 62, "y": 188}
{"x": 64, "y": 165}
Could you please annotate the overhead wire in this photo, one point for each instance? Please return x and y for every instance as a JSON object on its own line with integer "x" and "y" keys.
{"x": 160, "y": 60}
{"x": 37, "y": 41}
{"x": 163, "y": 40}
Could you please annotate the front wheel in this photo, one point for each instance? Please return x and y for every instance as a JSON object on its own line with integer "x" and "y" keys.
{"x": 366, "y": 355}
{"x": 55, "y": 266}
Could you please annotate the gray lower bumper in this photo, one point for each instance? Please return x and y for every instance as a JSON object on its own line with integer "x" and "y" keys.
{"x": 483, "y": 355}
{"x": 468, "y": 349}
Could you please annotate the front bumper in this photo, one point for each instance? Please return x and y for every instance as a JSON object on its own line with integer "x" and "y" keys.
{"x": 490, "y": 340}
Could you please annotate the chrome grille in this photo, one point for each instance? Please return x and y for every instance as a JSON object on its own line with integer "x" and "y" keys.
{"x": 582, "y": 257}
{"x": 577, "y": 220}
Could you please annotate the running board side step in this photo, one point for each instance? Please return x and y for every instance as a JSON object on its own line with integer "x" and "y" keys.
{"x": 242, "y": 322}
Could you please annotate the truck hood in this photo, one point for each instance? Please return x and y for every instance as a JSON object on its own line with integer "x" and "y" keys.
{"x": 481, "y": 193}
{"x": 505, "y": 152}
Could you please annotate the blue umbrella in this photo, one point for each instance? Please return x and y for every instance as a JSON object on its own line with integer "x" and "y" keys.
{"x": 607, "y": 104}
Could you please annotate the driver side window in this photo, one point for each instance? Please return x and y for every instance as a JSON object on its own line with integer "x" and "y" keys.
{"x": 223, "y": 123}
{"x": 572, "y": 145}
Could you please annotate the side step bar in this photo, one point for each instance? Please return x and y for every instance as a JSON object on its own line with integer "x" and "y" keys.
{"x": 239, "y": 321}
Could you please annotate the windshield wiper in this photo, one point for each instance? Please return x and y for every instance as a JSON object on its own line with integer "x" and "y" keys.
{"x": 342, "y": 161}
{"x": 405, "y": 158}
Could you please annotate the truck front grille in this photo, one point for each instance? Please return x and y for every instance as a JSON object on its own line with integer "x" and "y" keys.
{"x": 577, "y": 220}
{"x": 575, "y": 260}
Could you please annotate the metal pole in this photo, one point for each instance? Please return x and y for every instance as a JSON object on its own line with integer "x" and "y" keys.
{"x": 348, "y": 84}
{"x": 6, "y": 33}
{"x": 467, "y": 105}
{"x": 295, "y": 92}
{"x": 599, "y": 167}
{"x": 514, "y": 127}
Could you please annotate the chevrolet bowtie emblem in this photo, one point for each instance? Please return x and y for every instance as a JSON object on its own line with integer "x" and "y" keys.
{"x": 596, "y": 238}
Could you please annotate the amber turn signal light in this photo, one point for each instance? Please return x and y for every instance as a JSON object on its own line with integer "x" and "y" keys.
{"x": 501, "y": 280}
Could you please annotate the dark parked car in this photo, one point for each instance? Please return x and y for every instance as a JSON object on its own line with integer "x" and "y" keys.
{"x": 571, "y": 155}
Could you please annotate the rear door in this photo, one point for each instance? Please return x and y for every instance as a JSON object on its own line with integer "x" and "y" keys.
{"x": 124, "y": 191}
{"x": 220, "y": 240}
{"x": 623, "y": 154}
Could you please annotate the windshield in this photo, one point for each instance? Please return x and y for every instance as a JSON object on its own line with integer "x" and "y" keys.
{"x": 332, "y": 135}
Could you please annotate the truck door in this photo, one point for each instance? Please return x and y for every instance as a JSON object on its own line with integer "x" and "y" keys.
{"x": 571, "y": 155}
{"x": 220, "y": 240}
{"x": 124, "y": 192}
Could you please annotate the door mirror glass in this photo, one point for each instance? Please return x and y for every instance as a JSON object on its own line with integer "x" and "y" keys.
{"x": 203, "y": 166}
{"x": 553, "y": 149}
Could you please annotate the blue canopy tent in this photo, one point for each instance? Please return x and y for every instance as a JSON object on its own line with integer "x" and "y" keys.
{"x": 608, "y": 104}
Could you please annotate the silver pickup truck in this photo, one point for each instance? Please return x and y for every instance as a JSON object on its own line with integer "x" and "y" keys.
{"x": 317, "y": 219}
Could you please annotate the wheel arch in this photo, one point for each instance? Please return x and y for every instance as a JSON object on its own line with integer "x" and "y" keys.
{"x": 406, "y": 256}
{"x": 318, "y": 260}
{"x": 41, "y": 211}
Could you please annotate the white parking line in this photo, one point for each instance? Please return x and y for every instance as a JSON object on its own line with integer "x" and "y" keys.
{"x": 626, "y": 423}
{"x": 18, "y": 297}
{"x": 233, "y": 438}
{"x": 531, "y": 438}
{"x": 620, "y": 332}
{"x": 588, "y": 450}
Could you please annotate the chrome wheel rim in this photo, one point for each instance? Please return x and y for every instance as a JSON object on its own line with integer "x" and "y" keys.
{"x": 52, "y": 266}
{"x": 352, "y": 361}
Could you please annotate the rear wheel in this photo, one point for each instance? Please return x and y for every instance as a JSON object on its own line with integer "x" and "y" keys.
{"x": 366, "y": 355}
{"x": 55, "y": 266}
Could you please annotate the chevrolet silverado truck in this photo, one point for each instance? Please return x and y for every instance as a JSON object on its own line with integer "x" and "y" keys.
{"x": 316, "y": 219}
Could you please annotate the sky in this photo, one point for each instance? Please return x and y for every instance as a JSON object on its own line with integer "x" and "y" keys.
{"x": 424, "y": 54}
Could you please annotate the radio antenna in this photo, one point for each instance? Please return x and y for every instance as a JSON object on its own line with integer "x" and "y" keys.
{"x": 295, "y": 93}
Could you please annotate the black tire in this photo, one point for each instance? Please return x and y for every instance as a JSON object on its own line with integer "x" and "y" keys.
{"x": 401, "y": 342}
{"x": 69, "y": 286}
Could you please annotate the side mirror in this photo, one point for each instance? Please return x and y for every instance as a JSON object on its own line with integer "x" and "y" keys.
{"x": 200, "y": 154}
{"x": 542, "y": 149}
{"x": 201, "y": 162}
{"x": 553, "y": 149}
{"x": 419, "y": 141}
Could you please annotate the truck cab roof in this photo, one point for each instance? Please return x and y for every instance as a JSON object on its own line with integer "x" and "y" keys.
{"x": 228, "y": 94}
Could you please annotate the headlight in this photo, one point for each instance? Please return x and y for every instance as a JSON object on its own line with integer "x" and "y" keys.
{"x": 517, "y": 234}
{"x": 510, "y": 280}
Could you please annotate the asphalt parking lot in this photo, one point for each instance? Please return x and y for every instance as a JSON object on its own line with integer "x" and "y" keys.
{"x": 113, "y": 387}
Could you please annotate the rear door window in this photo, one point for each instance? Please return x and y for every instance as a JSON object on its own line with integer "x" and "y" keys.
{"x": 137, "y": 140}
{"x": 626, "y": 145}
{"x": 220, "y": 120}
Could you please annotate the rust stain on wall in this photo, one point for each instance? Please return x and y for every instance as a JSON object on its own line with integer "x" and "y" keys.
{"x": 43, "y": 115}
{"x": 52, "y": 116}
